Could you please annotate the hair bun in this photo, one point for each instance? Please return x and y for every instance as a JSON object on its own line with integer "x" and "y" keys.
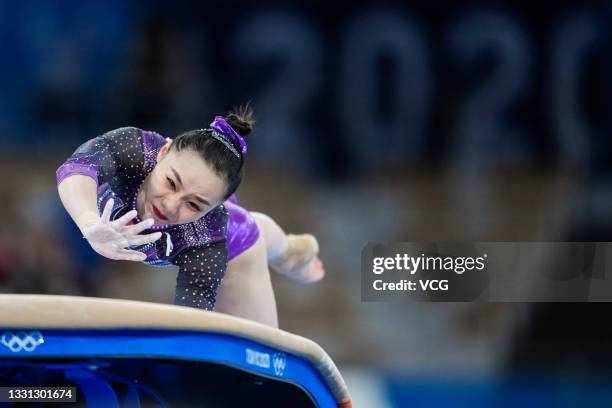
{"x": 241, "y": 119}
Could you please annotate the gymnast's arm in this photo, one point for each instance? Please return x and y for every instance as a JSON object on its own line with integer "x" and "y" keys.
{"x": 79, "y": 197}
{"x": 97, "y": 161}
{"x": 201, "y": 271}
{"x": 93, "y": 163}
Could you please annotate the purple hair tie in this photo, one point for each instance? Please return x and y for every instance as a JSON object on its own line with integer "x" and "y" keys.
{"x": 221, "y": 126}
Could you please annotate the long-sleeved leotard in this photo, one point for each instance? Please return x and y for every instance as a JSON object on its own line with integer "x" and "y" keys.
{"x": 119, "y": 161}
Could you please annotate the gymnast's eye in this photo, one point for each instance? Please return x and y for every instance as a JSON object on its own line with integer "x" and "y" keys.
{"x": 172, "y": 184}
{"x": 194, "y": 206}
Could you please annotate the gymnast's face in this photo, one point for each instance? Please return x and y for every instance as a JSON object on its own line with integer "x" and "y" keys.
{"x": 181, "y": 188}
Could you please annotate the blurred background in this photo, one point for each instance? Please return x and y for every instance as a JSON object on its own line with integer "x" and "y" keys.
{"x": 377, "y": 121}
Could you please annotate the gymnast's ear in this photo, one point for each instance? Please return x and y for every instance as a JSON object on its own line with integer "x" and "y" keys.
{"x": 164, "y": 149}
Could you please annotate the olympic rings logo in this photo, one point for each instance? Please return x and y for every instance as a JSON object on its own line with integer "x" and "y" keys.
{"x": 279, "y": 362}
{"x": 22, "y": 341}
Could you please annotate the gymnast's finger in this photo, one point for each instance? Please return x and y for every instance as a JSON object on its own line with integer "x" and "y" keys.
{"x": 144, "y": 239}
{"x": 121, "y": 242}
{"x": 125, "y": 218}
{"x": 108, "y": 208}
{"x": 129, "y": 255}
{"x": 138, "y": 228}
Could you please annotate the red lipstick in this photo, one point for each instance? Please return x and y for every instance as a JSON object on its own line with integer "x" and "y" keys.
{"x": 158, "y": 213}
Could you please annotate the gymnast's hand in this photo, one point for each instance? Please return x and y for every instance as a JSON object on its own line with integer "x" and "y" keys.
{"x": 111, "y": 238}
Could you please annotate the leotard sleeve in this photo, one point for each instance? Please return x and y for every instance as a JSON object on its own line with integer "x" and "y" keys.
{"x": 118, "y": 152}
{"x": 201, "y": 271}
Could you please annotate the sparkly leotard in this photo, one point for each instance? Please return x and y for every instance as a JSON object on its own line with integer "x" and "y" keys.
{"x": 119, "y": 161}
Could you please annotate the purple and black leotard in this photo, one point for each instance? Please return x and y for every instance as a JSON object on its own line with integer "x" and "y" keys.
{"x": 119, "y": 161}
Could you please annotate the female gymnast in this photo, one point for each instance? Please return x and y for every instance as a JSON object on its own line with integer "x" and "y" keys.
{"x": 137, "y": 196}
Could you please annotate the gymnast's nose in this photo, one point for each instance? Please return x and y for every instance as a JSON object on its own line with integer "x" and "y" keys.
{"x": 170, "y": 206}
